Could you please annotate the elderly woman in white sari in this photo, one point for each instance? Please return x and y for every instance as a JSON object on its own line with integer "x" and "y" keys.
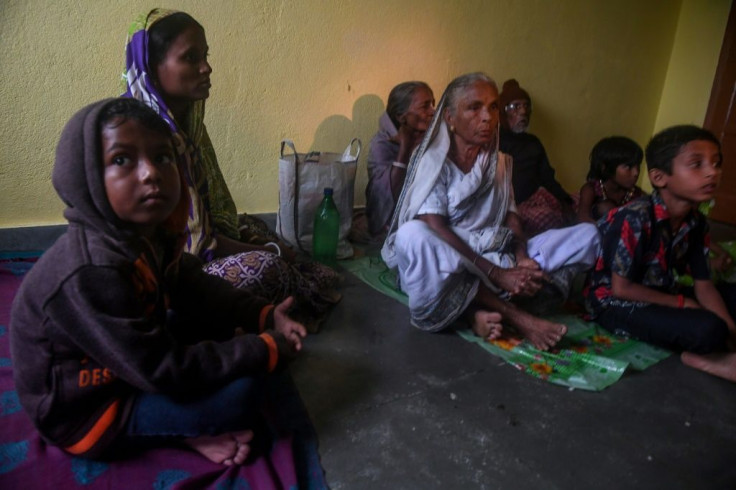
{"x": 456, "y": 238}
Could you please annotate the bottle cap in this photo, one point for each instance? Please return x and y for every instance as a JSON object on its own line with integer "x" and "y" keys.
{"x": 328, "y": 191}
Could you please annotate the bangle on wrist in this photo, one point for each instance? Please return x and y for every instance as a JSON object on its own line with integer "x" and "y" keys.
{"x": 276, "y": 246}
{"x": 680, "y": 301}
{"x": 399, "y": 165}
{"x": 490, "y": 270}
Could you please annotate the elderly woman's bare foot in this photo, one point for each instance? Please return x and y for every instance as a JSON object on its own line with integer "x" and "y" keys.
{"x": 541, "y": 333}
{"x": 228, "y": 449}
{"x": 721, "y": 364}
{"x": 487, "y": 324}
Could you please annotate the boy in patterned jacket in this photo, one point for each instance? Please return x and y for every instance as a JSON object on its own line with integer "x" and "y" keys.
{"x": 632, "y": 289}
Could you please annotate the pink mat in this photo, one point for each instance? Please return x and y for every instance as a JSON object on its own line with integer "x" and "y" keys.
{"x": 27, "y": 462}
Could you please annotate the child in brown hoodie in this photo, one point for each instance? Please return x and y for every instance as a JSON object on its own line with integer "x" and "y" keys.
{"x": 119, "y": 338}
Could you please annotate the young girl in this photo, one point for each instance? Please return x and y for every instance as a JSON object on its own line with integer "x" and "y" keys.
{"x": 119, "y": 339}
{"x": 611, "y": 181}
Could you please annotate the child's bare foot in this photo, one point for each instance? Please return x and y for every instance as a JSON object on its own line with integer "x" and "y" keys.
{"x": 228, "y": 449}
{"x": 721, "y": 364}
{"x": 541, "y": 333}
{"x": 487, "y": 324}
{"x": 243, "y": 439}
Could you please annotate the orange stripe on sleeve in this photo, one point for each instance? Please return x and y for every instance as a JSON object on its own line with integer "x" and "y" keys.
{"x": 264, "y": 315}
{"x": 273, "y": 351}
{"x": 97, "y": 430}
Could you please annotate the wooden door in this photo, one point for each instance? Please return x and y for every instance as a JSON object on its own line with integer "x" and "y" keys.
{"x": 721, "y": 119}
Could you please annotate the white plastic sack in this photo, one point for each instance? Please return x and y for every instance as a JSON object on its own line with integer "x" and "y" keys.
{"x": 302, "y": 180}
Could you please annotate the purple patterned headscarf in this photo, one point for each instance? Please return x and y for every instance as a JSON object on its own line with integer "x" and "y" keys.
{"x": 138, "y": 84}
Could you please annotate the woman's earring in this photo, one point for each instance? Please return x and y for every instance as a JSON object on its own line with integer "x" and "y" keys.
{"x": 452, "y": 128}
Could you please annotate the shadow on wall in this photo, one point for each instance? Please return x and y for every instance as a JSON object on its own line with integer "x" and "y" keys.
{"x": 335, "y": 132}
{"x": 339, "y": 130}
{"x": 543, "y": 121}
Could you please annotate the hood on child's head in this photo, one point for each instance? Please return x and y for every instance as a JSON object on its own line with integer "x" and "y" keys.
{"x": 78, "y": 177}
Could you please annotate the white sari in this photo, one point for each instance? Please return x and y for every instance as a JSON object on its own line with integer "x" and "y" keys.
{"x": 440, "y": 282}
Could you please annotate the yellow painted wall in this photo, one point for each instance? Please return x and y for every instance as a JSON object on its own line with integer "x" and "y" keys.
{"x": 693, "y": 62}
{"x": 319, "y": 72}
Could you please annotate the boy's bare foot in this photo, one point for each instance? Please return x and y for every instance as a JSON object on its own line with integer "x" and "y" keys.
{"x": 228, "y": 449}
{"x": 487, "y": 324}
{"x": 541, "y": 333}
{"x": 721, "y": 364}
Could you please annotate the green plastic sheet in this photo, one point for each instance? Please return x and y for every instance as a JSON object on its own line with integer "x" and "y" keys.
{"x": 588, "y": 357}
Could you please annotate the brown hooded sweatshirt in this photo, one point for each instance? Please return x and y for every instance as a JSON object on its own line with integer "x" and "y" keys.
{"x": 91, "y": 324}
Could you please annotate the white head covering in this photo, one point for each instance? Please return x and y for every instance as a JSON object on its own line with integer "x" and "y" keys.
{"x": 424, "y": 169}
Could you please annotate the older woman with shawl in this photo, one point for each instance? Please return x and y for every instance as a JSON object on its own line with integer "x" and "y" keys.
{"x": 409, "y": 112}
{"x": 167, "y": 68}
{"x": 456, "y": 238}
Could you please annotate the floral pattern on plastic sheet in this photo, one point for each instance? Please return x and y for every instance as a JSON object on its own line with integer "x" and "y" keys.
{"x": 588, "y": 357}
{"x": 506, "y": 343}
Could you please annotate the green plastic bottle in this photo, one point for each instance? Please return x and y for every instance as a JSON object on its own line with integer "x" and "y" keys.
{"x": 326, "y": 230}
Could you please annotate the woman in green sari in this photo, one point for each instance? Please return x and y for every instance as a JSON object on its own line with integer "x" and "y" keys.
{"x": 167, "y": 68}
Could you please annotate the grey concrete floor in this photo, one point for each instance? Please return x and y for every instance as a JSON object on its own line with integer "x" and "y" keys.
{"x": 398, "y": 408}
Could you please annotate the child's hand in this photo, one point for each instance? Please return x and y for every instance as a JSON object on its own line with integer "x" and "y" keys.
{"x": 285, "y": 347}
{"x": 292, "y": 331}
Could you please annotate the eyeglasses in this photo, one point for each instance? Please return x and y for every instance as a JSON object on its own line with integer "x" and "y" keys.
{"x": 516, "y": 106}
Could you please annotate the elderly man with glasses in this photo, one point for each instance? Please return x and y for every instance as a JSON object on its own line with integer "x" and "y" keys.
{"x": 542, "y": 202}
